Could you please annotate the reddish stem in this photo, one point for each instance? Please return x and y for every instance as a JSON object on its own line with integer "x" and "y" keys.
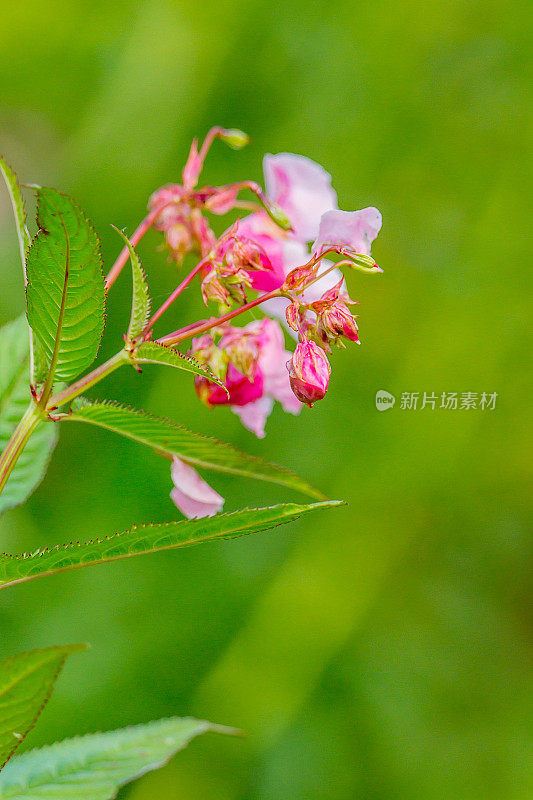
{"x": 135, "y": 238}
{"x": 208, "y": 141}
{"x": 177, "y": 291}
{"x": 202, "y": 327}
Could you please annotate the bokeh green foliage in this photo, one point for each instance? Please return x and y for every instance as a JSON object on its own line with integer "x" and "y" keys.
{"x": 380, "y": 651}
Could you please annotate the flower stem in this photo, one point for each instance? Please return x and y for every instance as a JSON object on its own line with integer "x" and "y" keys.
{"x": 202, "y": 327}
{"x": 135, "y": 238}
{"x": 177, "y": 291}
{"x": 91, "y": 379}
{"x": 18, "y": 441}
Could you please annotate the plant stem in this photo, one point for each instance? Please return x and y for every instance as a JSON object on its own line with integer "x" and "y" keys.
{"x": 17, "y": 442}
{"x": 92, "y": 378}
{"x": 35, "y": 414}
{"x": 202, "y": 327}
{"x": 135, "y": 238}
{"x": 177, "y": 291}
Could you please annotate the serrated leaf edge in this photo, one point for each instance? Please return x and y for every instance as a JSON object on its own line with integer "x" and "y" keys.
{"x": 69, "y": 649}
{"x": 84, "y": 402}
{"x": 292, "y": 515}
{"x": 202, "y": 367}
{"x": 42, "y": 231}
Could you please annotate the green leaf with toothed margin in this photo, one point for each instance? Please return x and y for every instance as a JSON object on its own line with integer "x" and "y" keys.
{"x": 19, "y": 211}
{"x": 65, "y": 293}
{"x": 154, "y": 353}
{"x": 140, "y": 302}
{"x": 26, "y": 682}
{"x": 143, "y": 539}
{"x": 15, "y": 397}
{"x": 170, "y": 439}
{"x": 95, "y": 766}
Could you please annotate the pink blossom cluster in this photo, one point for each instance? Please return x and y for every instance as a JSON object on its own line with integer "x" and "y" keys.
{"x": 273, "y": 257}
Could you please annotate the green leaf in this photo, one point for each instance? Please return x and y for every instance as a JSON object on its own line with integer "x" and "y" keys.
{"x": 141, "y": 303}
{"x": 37, "y": 361}
{"x": 26, "y": 682}
{"x": 154, "y": 353}
{"x": 14, "y": 400}
{"x": 94, "y": 767}
{"x": 65, "y": 293}
{"x": 19, "y": 212}
{"x": 143, "y": 539}
{"x": 170, "y": 439}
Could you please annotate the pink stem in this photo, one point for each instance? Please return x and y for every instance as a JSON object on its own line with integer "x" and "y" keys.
{"x": 208, "y": 141}
{"x": 135, "y": 238}
{"x": 202, "y": 327}
{"x": 177, "y": 291}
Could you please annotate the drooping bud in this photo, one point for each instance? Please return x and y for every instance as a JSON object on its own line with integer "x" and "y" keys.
{"x": 275, "y": 213}
{"x": 359, "y": 261}
{"x": 293, "y": 315}
{"x": 179, "y": 240}
{"x": 309, "y": 371}
{"x": 214, "y": 289}
{"x": 299, "y": 277}
{"x": 235, "y": 138}
{"x": 337, "y": 321}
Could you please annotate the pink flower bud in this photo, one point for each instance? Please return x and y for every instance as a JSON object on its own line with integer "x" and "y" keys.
{"x": 337, "y": 321}
{"x": 309, "y": 372}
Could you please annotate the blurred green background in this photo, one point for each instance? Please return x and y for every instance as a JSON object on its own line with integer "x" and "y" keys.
{"x": 375, "y": 652}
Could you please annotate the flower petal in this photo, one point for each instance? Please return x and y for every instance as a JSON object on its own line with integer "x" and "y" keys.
{"x": 284, "y": 251}
{"x": 191, "y": 494}
{"x": 254, "y": 415}
{"x": 302, "y": 188}
{"x": 357, "y": 229}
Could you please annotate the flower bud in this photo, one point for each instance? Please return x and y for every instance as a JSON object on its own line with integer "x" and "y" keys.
{"x": 235, "y": 138}
{"x": 337, "y": 321}
{"x": 299, "y": 277}
{"x": 309, "y": 372}
{"x": 276, "y": 213}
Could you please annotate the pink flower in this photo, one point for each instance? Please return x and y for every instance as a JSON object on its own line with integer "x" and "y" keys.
{"x": 242, "y": 390}
{"x": 191, "y": 494}
{"x": 259, "y": 350}
{"x": 282, "y": 248}
{"x": 356, "y": 229}
{"x": 309, "y": 372}
{"x": 302, "y": 188}
{"x": 277, "y": 307}
{"x": 276, "y": 385}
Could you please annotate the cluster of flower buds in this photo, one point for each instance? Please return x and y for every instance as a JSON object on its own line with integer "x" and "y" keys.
{"x": 178, "y": 209}
{"x": 277, "y": 255}
{"x": 230, "y": 267}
